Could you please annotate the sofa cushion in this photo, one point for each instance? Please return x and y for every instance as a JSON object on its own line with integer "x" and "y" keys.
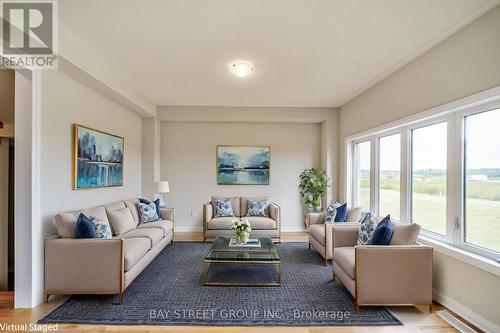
{"x": 156, "y": 202}
{"x": 346, "y": 257}
{"x": 99, "y": 212}
{"x": 318, "y": 232}
{"x": 331, "y": 212}
{"x": 235, "y": 203}
{"x": 135, "y": 249}
{"x": 404, "y": 233}
{"x": 223, "y": 208}
{"x": 102, "y": 230}
{"x": 114, "y": 206}
{"x": 261, "y": 223}
{"x": 257, "y": 208}
{"x": 132, "y": 205}
{"x": 244, "y": 204}
{"x": 220, "y": 223}
{"x": 354, "y": 214}
{"x": 165, "y": 225}
{"x": 341, "y": 215}
{"x": 121, "y": 220}
{"x": 65, "y": 225}
{"x": 84, "y": 227}
{"x": 383, "y": 232}
{"x": 366, "y": 229}
{"x": 153, "y": 234}
{"x": 147, "y": 212}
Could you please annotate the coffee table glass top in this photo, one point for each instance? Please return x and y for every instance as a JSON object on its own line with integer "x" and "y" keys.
{"x": 221, "y": 250}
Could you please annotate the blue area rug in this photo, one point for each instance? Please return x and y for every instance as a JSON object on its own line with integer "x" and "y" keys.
{"x": 170, "y": 292}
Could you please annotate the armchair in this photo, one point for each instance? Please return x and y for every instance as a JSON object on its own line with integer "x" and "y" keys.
{"x": 382, "y": 274}
{"x": 320, "y": 233}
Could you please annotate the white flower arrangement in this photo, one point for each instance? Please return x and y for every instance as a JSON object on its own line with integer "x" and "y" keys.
{"x": 241, "y": 225}
{"x": 242, "y": 229}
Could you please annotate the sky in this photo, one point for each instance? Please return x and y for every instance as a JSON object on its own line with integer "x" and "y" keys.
{"x": 429, "y": 145}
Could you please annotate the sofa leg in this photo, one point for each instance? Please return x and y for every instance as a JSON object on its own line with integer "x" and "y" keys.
{"x": 309, "y": 246}
{"x": 120, "y": 298}
{"x": 430, "y": 308}
{"x": 357, "y": 307}
{"x": 46, "y": 297}
{"x": 326, "y": 261}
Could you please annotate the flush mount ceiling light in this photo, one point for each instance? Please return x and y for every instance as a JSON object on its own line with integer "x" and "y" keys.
{"x": 241, "y": 68}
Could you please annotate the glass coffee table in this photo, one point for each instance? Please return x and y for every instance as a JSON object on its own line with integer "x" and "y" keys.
{"x": 242, "y": 266}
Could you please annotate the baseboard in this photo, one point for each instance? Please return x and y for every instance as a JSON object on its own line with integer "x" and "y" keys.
{"x": 293, "y": 229}
{"x": 464, "y": 312}
{"x": 188, "y": 229}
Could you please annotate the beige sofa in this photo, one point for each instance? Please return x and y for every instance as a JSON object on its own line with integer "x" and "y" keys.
{"x": 320, "y": 233}
{"x": 395, "y": 274}
{"x": 269, "y": 226}
{"x": 104, "y": 266}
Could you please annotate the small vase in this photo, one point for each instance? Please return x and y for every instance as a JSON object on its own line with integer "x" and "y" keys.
{"x": 242, "y": 237}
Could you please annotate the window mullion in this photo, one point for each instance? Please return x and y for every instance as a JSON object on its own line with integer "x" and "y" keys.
{"x": 374, "y": 177}
{"x": 404, "y": 176}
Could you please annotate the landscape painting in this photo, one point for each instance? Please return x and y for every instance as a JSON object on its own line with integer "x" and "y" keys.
{"x": 98, "y": 159}
{"x": 241, "y": 165}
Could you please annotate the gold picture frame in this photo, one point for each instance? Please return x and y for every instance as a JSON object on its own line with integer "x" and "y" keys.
{"x": 255, "y": 168}
{"x": 92, "y": 169}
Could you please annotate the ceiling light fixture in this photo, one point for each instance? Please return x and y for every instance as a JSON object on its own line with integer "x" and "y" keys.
{"x": 241, "y": 68}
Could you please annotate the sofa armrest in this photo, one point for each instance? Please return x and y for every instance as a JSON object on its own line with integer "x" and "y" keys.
{"x": 344, "y": 234}
{"x": 167, "y": 214}
{"x": 316, "y": 218}
{"x": 394, "y": 274}
{"x": 84, "y": 266}
{"x": 275, "y": 213}
{"x": 208, "y": 212}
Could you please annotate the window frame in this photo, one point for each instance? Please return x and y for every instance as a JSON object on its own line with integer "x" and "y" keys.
{"x": 453, "y": 114}
{"x": 460, "y": 203}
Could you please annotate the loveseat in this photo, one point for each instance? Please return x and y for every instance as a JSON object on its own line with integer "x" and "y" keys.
{"x": 262, "y": 226}
{"x": 104, "y": 266}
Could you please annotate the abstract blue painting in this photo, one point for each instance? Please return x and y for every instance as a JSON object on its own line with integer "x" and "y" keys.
{"x": 98, "y": 159}
{"x": 241, "y": 165}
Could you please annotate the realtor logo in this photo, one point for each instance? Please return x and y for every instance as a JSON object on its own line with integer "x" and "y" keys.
{"x": 29, "y": 34}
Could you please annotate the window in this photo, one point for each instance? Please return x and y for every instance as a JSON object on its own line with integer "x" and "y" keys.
{"x": 428, "y": 177}
{"x": 389, "y": 175}
{"x": 363, "y": 175}
{"x": 440, "y": 169}
{"x": 482, "y": 180}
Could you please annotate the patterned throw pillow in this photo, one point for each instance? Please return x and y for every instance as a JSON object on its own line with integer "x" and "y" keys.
{"x": 223, "y": 208}
{"x": 256, "y": 208}
{"x": 366, "y": 229}
{"x": 331, "y": 212}
{"x": 147, "y": 213}
{"x": 102, "y": 230}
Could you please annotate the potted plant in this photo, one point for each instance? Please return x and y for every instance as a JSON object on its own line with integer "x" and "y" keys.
{"x": 313, "y": 185}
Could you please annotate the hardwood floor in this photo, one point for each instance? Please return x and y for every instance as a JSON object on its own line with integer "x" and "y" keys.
{"x": 414, "y": 319}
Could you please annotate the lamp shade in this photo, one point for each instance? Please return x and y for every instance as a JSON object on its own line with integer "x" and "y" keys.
{"x": 161, "y": 187}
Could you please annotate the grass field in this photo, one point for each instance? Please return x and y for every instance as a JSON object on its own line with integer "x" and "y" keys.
{"x": 429, "y": 207}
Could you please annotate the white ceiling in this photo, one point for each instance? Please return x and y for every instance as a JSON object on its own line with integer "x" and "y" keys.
{"x": 308, "y": 53}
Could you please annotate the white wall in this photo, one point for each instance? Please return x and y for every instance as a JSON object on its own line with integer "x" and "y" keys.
{"x": 189, "y": 164}
{"x": 466, "y": 63}
{"x": 64, "y": 102}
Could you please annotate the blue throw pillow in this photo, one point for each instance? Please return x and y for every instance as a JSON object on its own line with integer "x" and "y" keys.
{"x": 84, "y": 227}
{"x": 341, "y": 213}
{"x": 383, "y": 232}
{"x": 157, "y": 204}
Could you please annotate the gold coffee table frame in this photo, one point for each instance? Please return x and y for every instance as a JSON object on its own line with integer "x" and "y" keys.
{"x": 221, "y": 253}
